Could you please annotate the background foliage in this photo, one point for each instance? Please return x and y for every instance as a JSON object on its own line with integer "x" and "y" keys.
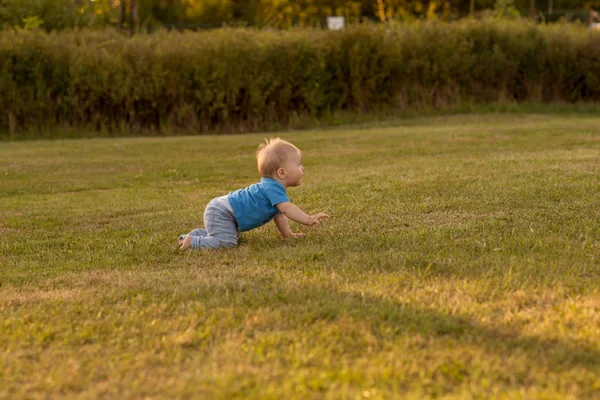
{"x": 151, "y": 15}
{"x": 244, "y": 79}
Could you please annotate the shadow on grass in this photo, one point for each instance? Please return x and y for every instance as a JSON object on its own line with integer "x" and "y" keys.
{"x": 389, "y": 320}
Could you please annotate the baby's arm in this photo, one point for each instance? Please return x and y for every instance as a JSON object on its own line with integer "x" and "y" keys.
{"x": 283, "y": 226}
{"x": 294, "y": 213}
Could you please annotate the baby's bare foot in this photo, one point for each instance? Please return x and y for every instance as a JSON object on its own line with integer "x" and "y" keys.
{"x": 186, "y": 243}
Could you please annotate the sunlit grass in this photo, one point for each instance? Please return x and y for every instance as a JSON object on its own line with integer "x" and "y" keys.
{"x": 462, "y": 259}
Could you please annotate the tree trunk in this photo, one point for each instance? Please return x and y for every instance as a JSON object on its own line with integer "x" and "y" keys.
{"x": 133, "y": 11}
{"x": 532, "y": 9}
{"x": 472, "y": 11}
{"x": 550, "y": 6}
{"x": 121, "y": 16}
{"x": 12, "y": 123}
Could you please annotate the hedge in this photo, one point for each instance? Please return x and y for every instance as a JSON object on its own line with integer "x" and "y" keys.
{"x": 236, "y": 79}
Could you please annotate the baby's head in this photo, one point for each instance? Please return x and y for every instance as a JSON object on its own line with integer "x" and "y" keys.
{"x": 281, "y": 161}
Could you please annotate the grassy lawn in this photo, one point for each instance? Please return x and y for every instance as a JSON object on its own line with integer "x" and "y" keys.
{"x": 461, "y": 260}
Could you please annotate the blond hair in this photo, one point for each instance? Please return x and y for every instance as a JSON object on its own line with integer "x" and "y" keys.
{"x": 272, "y": 154}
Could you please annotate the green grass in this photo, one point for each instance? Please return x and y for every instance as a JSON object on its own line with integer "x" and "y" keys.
{"x": 461, "y": 260}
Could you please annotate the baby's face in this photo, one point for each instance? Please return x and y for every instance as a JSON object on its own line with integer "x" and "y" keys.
{"x": 294, "y": 169}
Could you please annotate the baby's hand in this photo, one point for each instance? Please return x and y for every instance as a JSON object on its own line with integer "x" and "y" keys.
{"x": 317, "y": 219}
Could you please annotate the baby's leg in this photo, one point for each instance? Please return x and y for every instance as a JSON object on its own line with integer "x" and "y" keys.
{"x": 199, "y": 242}
{"x": 196, "y": 232}
{"x": 221, "y": 228}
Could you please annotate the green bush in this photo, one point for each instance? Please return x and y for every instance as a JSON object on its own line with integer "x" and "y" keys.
{"x": 48, "y": 15}
{"x": 243, "y": 79}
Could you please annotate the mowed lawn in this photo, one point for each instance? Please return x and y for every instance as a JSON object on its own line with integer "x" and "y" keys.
{"x": 461, "y": 260}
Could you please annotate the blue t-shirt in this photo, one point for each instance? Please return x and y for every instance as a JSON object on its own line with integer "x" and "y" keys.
{"x": 254, "y": 206}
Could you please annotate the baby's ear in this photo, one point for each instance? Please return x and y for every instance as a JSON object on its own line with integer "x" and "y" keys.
{"x": 281, "y": 173}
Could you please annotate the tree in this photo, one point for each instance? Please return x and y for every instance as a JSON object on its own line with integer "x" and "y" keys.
{"x": 532, "y": 11}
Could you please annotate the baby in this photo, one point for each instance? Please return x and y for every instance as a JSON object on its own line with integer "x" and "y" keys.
{"x": 279, "y": 165}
